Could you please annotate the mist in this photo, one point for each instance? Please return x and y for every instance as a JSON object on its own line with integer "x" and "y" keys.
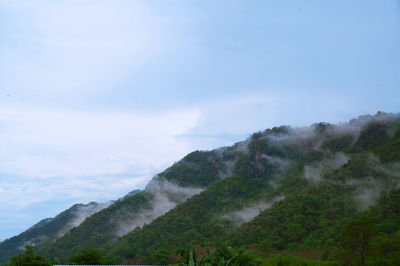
{"x": 229, "y": 167}
{"x": 311, "y": 134}
{"x": 368, "y": 189}
{"x": 80, "y": 213}
{"x": 164, "y": 197}
{"x": 33, "y": 242}
{"x": 277, "y": 161}
{"x": 250, "y": 212}
{"x": 242, "y": 146}
{"x": 315, "y": 171}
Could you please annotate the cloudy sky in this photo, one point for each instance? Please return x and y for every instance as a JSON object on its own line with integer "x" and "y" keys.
{"x": 98, "y": 96}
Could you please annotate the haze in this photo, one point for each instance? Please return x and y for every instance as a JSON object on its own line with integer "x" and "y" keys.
{"x": 96, "y": 97}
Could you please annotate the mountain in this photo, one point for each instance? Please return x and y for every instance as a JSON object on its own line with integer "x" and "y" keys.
{"x": 282, "y": 189}
{"x": 49, "y": 229}
{"x": 132, "y": 193}
{"x": 290, "y": 189}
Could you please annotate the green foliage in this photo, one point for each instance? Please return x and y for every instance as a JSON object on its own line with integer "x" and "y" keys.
{"x": 231, "y": 256}
{"x": 287, "y": 260}
{"x": 356, "y": 237}
{"x": 222, "y": 256}
{"x": 386, "y": 213}
{"x": 386, "y": 248}
{"x": 373, "y": 135}
{"x": 29, "y": 258}
{"x": 305, "y": 217}
{"x": 160, "y": 257}
{"x": 97, "y": 230}
{"x": 389, "y": 152}
{"x": 188, "y": 257}
{"x": 278, "y": 130}
{"x": 383, "y": 247}
{"x": 198, "y": 168}
{"x": 87, "y": 257}
{"x": 337, "y": 143}
{"x": 198, "y": 219}
{"x": 50, "y": 228}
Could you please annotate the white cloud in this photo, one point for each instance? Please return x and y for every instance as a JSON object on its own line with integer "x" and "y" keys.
{"x": 239, "y": 114}
{"x": 47, "y": 152}
{"x": 233, "y": 118}
{"x": 68, "y": 47}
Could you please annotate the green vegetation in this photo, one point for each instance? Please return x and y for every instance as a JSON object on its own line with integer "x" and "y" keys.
{"x": 29, "y": 258}
{"x": 287, "y": 260}
{"x": 355, "y": 240}
{"x": 87, "y": 257}
{"x": 46, "y": 230}
{"x": 221, "y": 256}
{"x": 324, "y": 195}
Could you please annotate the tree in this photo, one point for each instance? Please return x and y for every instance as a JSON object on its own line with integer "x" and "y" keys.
{"x": 88, "y": 257}
{"x": 160, "y": 256}
{"x": 29, "y": 258}
{"x": 356, "y": 237}
{"x": 387, "y": 247}
{"x": 188, "y": 257}
{"x": 232, "y": 257}
{"x": 222, "y": 256}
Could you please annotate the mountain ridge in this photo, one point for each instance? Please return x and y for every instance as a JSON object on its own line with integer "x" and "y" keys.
{"x": 49, "y": 229}
{"x": 328, "y": 172}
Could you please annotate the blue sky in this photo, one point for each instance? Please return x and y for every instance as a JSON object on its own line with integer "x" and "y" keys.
{"x": 98, "y": 96}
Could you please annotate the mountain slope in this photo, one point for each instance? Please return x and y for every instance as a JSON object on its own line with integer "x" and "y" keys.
{"x": 49, "y": 229}
{"x": 322, "y": 175}
{"x": 176, "y": 184}
{"x": 282, "y": 188}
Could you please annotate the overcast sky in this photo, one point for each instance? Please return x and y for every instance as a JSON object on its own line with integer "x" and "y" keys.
{"x": 98, "y": 96}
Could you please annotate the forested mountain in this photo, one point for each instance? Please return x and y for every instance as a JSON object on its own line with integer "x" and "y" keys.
{"x": 282, "y": 189}
{"x": 49, "y": 229}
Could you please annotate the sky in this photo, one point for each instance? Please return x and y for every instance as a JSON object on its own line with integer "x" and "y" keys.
{"x": 96, "y": 97}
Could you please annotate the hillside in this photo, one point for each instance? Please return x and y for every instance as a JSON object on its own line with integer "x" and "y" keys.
{"x": 170, "y": 188}
{"x": 49, "y": 229}
{"x": 283, "y": 189}
{"x": 301, "y": 186}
